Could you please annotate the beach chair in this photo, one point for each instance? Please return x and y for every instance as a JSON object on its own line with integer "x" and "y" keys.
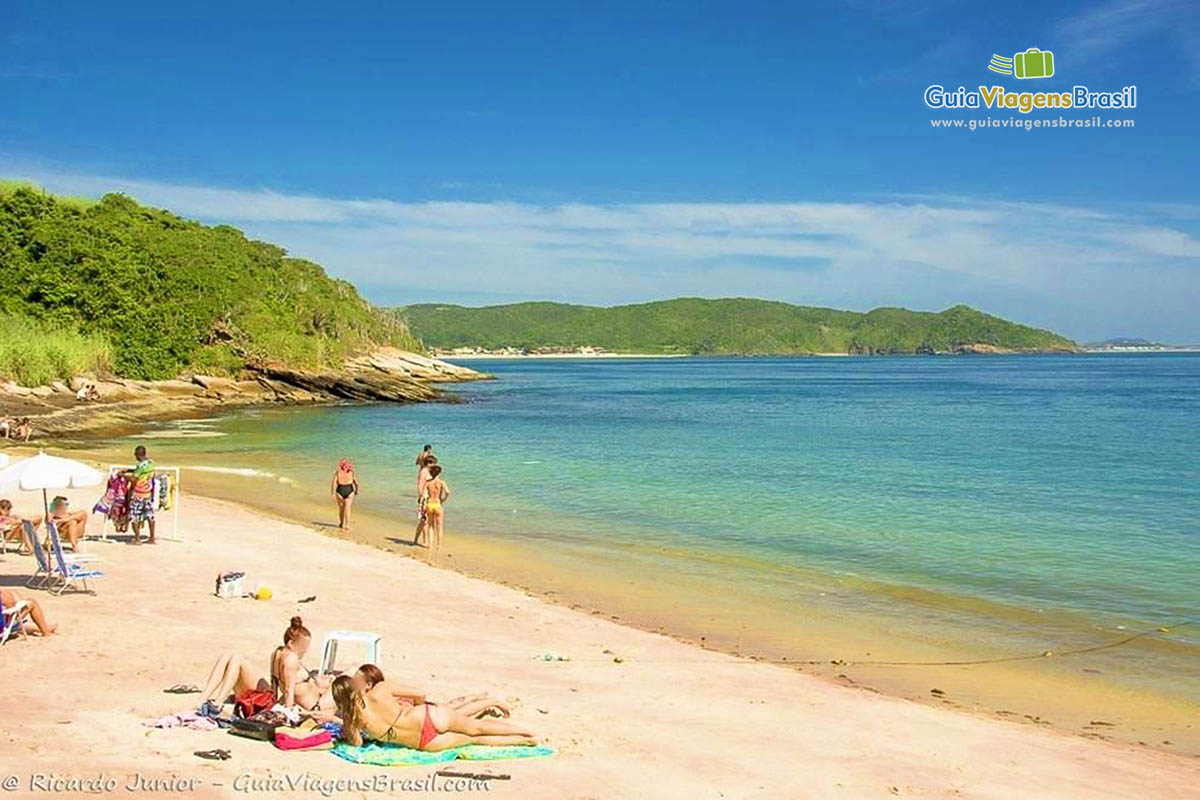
{"x": 44, "y": 571}
{"x": 13, "y": 620}
{"x": 70, "y": 573}
{"x": 45, "y": 567}
{"x": 373, "y": 641}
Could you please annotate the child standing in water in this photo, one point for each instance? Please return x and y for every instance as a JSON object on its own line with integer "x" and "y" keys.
{"x": 435, "y": 494}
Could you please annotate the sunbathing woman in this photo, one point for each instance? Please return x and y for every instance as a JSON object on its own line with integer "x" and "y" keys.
{"x": 9, "y": 599}
{"x": 343, "y": 489}
{"x": 71, "y": 525}
{"x": 12, "y": 527}
{"x": 368, "y": 676}
{"x": 378, "y": 715}
{"x": 292, "y": 684}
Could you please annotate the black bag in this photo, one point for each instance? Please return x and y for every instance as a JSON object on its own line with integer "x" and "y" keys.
{"x": 253, "y": 729}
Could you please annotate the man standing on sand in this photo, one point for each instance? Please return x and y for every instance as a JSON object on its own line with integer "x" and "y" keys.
{"x": 141, "y": 494}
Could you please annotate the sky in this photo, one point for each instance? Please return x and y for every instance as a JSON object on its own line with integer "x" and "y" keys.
{"x": 623, "y": 152}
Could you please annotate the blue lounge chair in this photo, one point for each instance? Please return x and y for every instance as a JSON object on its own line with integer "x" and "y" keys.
{"x": 44, "y": 571}
{"x": 13, "y": 620}
{"x": 45, "y": 567}
{"x": 69, "y": 572}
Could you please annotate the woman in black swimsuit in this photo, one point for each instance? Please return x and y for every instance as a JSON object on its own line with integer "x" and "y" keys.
{"x": 342, "y": 490}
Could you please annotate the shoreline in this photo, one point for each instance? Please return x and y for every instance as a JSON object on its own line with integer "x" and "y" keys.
{"x": 853, "y": 743}
{"x": 824, "y": 642}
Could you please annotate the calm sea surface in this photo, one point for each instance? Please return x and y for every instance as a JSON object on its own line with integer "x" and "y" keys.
{"x": 1047, "y": 483}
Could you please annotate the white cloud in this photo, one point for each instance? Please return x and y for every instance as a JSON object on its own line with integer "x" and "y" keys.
{"x": 1040, "y": 263}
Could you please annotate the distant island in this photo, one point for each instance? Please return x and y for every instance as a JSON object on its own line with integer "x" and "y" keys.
{"x": 731, "y": 326}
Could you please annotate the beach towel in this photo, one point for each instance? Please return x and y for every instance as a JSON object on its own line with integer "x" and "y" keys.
{"x": 391, "y": 755}
{"x": 184, "y": 719}
{"x": 303, "y": 739}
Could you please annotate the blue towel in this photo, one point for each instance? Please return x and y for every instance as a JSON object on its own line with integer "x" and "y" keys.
{"x": 391, "y": 755}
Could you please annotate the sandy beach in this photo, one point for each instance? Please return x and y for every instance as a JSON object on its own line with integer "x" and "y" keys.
{"x": 631, "y": 714}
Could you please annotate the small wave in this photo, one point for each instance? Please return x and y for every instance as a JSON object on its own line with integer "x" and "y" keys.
{"x": 183, "y": 433}
{"x": 531, "y": 462}
{"x": 244, "y": 472}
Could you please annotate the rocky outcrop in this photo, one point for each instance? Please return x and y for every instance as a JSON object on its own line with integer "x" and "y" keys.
{"x": 384, "y": 376}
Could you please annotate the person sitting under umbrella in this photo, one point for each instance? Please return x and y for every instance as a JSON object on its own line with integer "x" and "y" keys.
{"x": 71, "y": 525}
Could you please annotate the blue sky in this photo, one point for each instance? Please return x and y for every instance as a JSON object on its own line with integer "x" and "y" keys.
{"x": 621, "y": 152}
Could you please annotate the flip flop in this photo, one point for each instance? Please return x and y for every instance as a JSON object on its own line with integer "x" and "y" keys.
{"x": 214, "y": 755}
{"x": 182, "y": 688}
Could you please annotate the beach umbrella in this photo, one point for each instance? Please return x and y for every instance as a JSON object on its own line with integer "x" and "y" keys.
{"x": 49, "y": 472}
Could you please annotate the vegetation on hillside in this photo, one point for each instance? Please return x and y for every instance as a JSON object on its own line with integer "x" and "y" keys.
{"x": 34, "y": 353}
{"x": 152, "y": 295}
{"x": 730, "y": 326}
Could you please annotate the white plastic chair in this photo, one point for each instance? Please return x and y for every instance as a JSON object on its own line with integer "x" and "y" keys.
{"x": 373, "y": 641}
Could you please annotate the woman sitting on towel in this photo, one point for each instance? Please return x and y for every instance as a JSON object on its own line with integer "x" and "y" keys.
{"x": 379, "y": 714}
{"x": 292, "y": 684}
{"x": 368, "y": 676}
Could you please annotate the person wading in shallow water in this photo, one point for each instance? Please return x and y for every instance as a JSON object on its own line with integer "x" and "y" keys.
{"x": 343, "y": 489}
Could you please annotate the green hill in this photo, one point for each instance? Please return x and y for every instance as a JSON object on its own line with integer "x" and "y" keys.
{"x": 728, "y": 326}
{"x": 113, "y": 286}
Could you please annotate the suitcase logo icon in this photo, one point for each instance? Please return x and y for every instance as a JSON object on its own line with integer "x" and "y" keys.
{"x": 1033, "y": 63}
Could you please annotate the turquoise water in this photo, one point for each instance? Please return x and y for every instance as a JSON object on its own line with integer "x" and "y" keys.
{"x": 1051, "y": 483}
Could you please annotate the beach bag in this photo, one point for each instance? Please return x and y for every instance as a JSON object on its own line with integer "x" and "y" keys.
{"x": 252, "y": 701}
{"x": 253, "y": 729}
{"x": 230, "y": 585}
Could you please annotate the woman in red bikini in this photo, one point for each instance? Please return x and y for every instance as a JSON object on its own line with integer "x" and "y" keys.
{"x": 368, "y": 676}
{"x": 380, "y": 715}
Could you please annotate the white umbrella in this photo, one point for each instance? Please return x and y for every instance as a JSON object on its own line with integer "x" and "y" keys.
{"x": 49, "y": 472}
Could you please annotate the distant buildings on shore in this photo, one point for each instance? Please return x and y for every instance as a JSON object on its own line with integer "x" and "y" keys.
{"x": 586, "y": 350}
{"x": 1126, "y": 345}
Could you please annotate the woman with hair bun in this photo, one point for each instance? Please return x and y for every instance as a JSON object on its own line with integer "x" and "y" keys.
{"x": 288, "y": 679}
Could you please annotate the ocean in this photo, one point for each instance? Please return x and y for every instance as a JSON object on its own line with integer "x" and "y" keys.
{"x": 994, "y": 504}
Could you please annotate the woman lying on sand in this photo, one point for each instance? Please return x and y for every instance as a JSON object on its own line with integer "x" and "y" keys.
{"x": 368, "y": 676}
{"x": 9, "y": 599}
{"x": 292, "y": 683}
{"x": 379, "y": 715}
